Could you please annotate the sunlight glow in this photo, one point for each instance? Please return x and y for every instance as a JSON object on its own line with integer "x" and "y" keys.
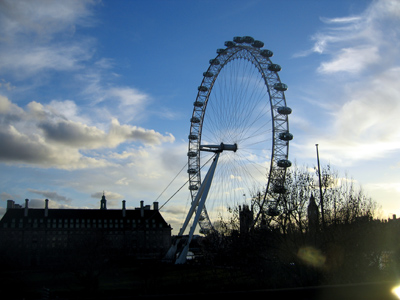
{"x": 396, "y": 291}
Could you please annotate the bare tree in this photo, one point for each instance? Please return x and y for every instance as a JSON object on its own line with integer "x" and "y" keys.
{"x": 337, "y": 251}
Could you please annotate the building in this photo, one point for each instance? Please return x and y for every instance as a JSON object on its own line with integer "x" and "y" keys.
{"x": 32, "y": 236}
{"x": 245, "y": 219}
{"x": 313, "y": 216}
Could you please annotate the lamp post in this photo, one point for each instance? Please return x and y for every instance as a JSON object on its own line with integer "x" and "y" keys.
{"x": 320, "y": 190}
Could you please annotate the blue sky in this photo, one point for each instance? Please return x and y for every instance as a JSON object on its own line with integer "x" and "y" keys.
{"x": 97, "y": 95}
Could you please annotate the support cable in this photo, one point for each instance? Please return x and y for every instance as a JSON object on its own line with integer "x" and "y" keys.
{"x": 181, "y": 186}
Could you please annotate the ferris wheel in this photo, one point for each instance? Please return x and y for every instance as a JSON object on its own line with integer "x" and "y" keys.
{"x": 239, "y": 136}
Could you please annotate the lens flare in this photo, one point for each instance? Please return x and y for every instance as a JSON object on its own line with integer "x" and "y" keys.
{"x": 396, "y": 291}
{"x": 312, "y": 256}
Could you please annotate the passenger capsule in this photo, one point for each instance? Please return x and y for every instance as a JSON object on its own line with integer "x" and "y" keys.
{"x": 195, "y": 120}
{"x": 204, "y": 231}
{"x": 274, "y": 67}
{"x": 238, "y": 39}
{"x": 248, "y": 39}
{"x": 284, "y": 110}
{"x": 208, "y": 74}
{"x": 193, "y": 137}
{"x": 280, "y": 87}
{"x": 214, "y": 62}
{"x": 284, "y": 163}
{"x": 219, "y": 51}
{"x": 230, "y": 44}
{"x": 202, "y": 88}
{"x": 192, "y": 154}
{"x": 285, "y": 136}
{"x": 192, "y": 171}
{"x": 193, "y": 187}
{"x": 279, "y": 189}
{"x": 198, "y": 104}
{"x": 257, "y": 44}
{"x": 266, "y": 53}
{"x": 273, "y": 212}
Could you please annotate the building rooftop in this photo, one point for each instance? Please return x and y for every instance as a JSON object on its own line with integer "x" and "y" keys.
{"x": 143, "y": 212}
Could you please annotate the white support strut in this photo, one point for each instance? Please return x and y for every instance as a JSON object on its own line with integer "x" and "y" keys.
{"x": 199, "y": 202}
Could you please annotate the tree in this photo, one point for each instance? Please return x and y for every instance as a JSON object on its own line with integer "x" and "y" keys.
{"x": 339, "y": 251}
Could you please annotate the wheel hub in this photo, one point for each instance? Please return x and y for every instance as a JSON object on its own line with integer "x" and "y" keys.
{"x": 219, "y": 148}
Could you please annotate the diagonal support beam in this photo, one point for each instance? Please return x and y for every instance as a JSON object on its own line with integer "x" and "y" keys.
{"x": 201, "y": 200}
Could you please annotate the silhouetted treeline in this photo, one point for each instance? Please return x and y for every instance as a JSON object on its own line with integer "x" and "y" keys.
{"x": 287, "y": 250}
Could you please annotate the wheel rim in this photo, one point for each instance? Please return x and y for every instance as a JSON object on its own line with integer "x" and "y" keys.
{"x": 240, "y": 101}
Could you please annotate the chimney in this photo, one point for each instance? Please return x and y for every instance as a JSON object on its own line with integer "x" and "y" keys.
{"x": 46, "y": 207}
{"x": 142, "y": 208}
{"x": 10, "y": 204}
{"x": 394, "y": 217}
{"x": 26, "y": 208}
{"x": 155, "y": 206}
{"x": 123, "y": 208}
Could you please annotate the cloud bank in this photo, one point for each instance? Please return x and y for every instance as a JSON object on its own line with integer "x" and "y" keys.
{"x": 43, "y": 136}
{"x": 361, "y": 63}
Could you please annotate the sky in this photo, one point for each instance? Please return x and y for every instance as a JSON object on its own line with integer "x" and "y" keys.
{"x": 96, "y": 96}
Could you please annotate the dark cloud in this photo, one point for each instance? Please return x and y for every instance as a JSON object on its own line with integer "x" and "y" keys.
{"x": 72, "y": 134}
{"x": 43, "y": 136}
{"x": 16, "y": 147}
{"x": 109, "y": 195}
{"x": 54, "y": 196}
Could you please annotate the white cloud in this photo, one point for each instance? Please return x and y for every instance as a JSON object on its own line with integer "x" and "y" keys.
{"x": 352, "y": 60}
{"x": 362, "y": 71}
{"x": 7, "y": 107}
{"x": 350, "y": 19}
{"x": 30, "y": 60}
{"x": 7, "y": 85}
{"x": 36, "y": 36}
{"x": 66, "y": 109}
{"x": 127, "y": 96}
{"x": 131, "y": 102}
{"x": 367, "y": 125}
{"x": 372, "y": 110}
{"x": 119, "y": 133}
{"x": 359, "y": 41}
{"x": 45, "y": 136}
{"x": 44, "y": 18}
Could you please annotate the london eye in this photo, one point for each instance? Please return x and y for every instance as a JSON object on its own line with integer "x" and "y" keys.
{"x": 239, "y": 137}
